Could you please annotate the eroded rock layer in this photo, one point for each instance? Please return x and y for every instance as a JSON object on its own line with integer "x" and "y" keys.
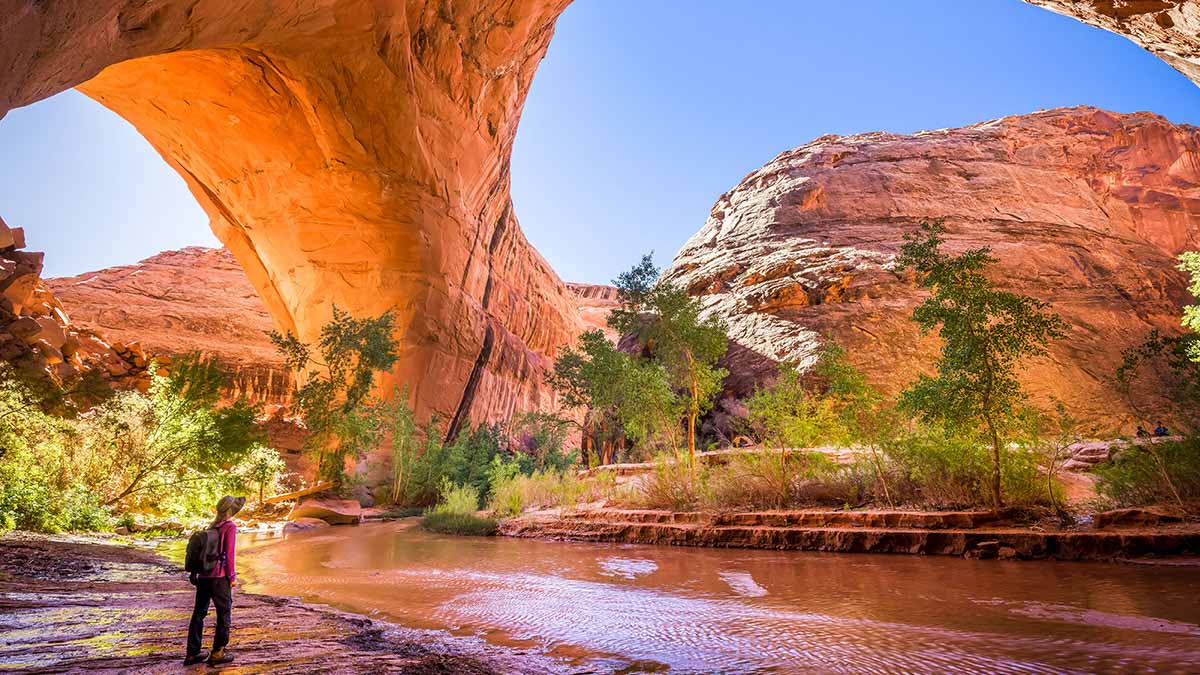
{"x": 1086, "y": 209}
{"x": 193, "y": 299}
{"x": 39, "y": 339}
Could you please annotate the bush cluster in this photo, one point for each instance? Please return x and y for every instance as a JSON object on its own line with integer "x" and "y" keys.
{"x": 1166, "y": 472}
{"x": 173, "y": 451}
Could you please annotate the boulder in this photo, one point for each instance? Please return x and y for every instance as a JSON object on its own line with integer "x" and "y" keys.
{"x": 332, "y": 511}
{"x": 301, "y": 524}
{"x": 19, "y": 288}
{"x": 25, "y": 328}
{"x": 1145, "y": 516}
{"x": 362, "y": 494}
{"x": 51, "y": 331}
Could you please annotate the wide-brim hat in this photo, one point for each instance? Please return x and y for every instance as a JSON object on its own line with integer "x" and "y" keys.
{"x": 230, "y": 504}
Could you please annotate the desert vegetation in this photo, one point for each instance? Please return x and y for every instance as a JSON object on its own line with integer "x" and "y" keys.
{"x": 167, "y": 452}
{"x": 963, "y": 436}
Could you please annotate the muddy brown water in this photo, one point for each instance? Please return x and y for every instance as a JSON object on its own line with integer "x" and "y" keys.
{"x": 643, "y": 608}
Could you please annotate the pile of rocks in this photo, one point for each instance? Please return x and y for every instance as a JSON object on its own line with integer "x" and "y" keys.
{"x": 36, "y": 335}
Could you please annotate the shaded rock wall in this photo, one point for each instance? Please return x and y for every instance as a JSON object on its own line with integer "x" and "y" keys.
{"x": 348, "y": 152}
{"x": 193, "y": 299}
{"x": 1085, "y": 208}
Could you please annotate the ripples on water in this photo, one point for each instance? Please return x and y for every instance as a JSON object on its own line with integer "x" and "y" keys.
{"x": 705, "y": 610}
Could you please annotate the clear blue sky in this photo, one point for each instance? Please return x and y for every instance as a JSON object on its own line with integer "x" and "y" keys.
{"x": 641, "y": 115}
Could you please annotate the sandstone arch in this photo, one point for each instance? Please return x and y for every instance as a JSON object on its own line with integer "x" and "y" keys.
{"x": 352, "y": 152}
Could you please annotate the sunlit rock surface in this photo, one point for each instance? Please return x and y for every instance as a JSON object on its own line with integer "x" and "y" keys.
{"x": 39, "y": 339}
{"x": 348, "y": 152}
{"x": 193, "y": 299}
{"x": 1084, "y": 208}
{"x": 595, "y": 302}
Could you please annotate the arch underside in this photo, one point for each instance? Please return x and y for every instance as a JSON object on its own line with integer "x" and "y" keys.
{"x": 348, "y": 152}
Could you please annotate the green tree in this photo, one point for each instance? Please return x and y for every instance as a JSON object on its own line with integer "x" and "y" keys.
{"x": 1190, "y": 262}
{"x": 666, "y": 322}
{"x": 334, "y": 382}
{"x": 262, "y": 468}
{"x": 404, "y": 442}
{"x": 615, "y": 387}
{"x": 985, "y": 332}
{"x": 176, "y": 433}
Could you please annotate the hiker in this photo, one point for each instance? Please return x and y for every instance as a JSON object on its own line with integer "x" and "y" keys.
{"x": 1141, "y": 432}
{"x": 1161, "y": 430}
{"x": 211, "y": 567}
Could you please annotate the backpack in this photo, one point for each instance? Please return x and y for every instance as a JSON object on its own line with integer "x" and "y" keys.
{"x": 205, "y": 550}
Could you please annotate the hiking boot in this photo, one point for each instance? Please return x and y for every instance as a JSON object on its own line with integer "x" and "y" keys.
{"x": 193, "y": 659}
{"x": 220, "y": 657}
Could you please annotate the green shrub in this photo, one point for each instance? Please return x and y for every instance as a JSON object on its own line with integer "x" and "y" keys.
{"x": 938, "y": 470}
{"x": 455, "y": 512}
{"x": 766, "y": 480}
{"x": 456, "y": 498}
{"x": 672, "y": 485}
{"x": 465, "y": 524}
{"x": 1153, "y": 473}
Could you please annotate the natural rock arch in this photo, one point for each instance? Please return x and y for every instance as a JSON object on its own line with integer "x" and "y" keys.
{"x": 356, "y": 152}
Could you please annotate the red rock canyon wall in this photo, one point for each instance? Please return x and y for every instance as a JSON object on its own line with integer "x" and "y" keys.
{"x": 1084, "y": 208}
{"x": 348, "y": 152}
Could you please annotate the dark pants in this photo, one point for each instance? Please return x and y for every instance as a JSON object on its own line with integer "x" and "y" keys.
{"x": 218, "y": 592}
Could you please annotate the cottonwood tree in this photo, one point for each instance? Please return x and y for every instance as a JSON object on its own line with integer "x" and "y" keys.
{"x": 986, "y": 333}
{"x": 334, "y": 381}
{"x": 666, "y": 322}
{"x": 615, "y": 388}
{"x": 176, "y": 433}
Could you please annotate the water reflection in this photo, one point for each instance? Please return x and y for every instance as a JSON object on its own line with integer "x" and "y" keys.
{"x": 749, "y": 611}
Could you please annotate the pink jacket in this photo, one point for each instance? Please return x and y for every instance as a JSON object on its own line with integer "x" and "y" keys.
{"x": 228, "y": 567}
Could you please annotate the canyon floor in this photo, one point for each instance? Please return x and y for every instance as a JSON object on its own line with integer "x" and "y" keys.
{"x": 76, "y": 604}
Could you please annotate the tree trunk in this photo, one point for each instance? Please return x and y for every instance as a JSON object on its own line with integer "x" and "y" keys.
{"x": 997, "y": 498}
{"x": 693, "y": 413}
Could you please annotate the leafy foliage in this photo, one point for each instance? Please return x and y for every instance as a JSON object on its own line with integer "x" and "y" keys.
{"x": 334, "y": 378}
{"x": 173, "y": 449}
{"x": 666, "y": 322}
{"x": 174, "y": 435}
{"x": 1172, "y": 357}
{"x": 986, "y": 333}
{"x": 455, "y": 512}
{"x": 262, "y": 468}
{"x": 617, "y": 387}
{"x": 1153, "y": 473}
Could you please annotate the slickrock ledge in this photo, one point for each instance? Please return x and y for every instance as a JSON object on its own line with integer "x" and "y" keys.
{"x": 69, "y": 606}
{"x": 968, "y": 534}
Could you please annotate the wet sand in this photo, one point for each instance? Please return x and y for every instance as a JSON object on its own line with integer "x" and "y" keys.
{"x": 79, "y": 605}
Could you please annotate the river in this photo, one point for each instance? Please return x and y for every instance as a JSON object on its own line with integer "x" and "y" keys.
{"x": 643, "y": 608}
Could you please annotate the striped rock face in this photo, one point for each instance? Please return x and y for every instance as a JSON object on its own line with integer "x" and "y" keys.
{"x": 348, "y": 152}
{"x": 1085, "y": 209}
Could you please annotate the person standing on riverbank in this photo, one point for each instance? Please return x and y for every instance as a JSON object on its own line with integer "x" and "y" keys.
{"x": 216, "y": 587}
